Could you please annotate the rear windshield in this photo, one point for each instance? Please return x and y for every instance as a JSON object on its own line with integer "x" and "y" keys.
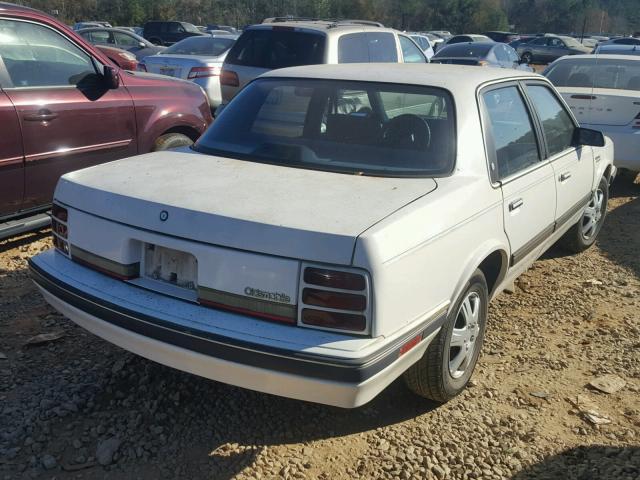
{"x": 464, "y": 50}
{"x": 267, "y": 48}
{"x": 200, "y": 46}
{"x": 600, "y": 73}
{"x": 360, "y": 128}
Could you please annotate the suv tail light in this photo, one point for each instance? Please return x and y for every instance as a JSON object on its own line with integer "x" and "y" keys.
{"x": 201, "y": 72}
{"x": 229, "y": 78}
{"x": 334, "y": 299}
{"x": 60, "y": 228}
{"x": 636, "y": 125}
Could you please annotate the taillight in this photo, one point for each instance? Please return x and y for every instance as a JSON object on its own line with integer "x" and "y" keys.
{"x": 229, "y": 78}
{"x": 201, "y": 72}
{"x": 333, "y": 299}
{"x": 636, "y": 125}
{"x": 60, "y": 228}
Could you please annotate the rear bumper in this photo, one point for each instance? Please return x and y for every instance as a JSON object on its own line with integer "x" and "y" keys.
{"x": 294, "y": 372}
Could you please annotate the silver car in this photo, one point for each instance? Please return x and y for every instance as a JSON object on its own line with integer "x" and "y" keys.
{"x": 198, "y": 59}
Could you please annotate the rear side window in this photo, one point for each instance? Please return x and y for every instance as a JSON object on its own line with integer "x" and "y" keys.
{"x": 410, "y": 51}
{"x": 367, "y": 48}
{"x": 277, "y": 49}
{"x": 556, "y": 123}
{"x": 512, "y": 142}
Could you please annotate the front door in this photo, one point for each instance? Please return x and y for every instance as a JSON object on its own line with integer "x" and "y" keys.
{"x": 572, "y": 166}
{"x": 69, "y": 118}
{"x": 11, "y": 159}
{"x": 517, "y": 165}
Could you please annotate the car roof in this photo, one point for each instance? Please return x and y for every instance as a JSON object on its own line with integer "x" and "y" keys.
{"x": 450, "y": 77}
{"x": 321, "y": 26}
{"x": 600, "y": 56}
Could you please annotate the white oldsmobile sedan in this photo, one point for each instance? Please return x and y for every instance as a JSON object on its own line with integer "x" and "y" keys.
{"x": 603, "y": 91}
{"x": 333, "y": 230}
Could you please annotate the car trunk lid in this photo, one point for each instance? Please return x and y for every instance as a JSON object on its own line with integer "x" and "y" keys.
{"x": 179, "y": 66}
{"x": 269, "y": 209}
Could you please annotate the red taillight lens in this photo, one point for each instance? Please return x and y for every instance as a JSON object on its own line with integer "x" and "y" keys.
{"x": 337, "y": 300}
{"x": 334, "y": 279}
{"x": 229, "y": 78}
{"x": 201, "y": 72}
{"x": 58, "y": 212}
{"x": 338, "y": 321}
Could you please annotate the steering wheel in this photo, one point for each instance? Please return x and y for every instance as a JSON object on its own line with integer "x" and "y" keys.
{"x": 407, "y": 131}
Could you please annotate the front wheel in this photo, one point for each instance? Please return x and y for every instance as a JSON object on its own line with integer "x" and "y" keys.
{"x": 584, "y": 233}
{"x": 527, "y": 57}
{"x": 171, "y": 140}
{"x": 446, "y": 366}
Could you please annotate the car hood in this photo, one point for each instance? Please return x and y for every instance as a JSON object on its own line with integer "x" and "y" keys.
{"x": 283, "y": 211}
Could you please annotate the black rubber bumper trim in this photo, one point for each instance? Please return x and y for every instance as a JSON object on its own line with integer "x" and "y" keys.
{"x": 246, "y": 353}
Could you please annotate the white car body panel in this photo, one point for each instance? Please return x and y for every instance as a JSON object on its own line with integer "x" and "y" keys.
{"x": 417, "y": 241}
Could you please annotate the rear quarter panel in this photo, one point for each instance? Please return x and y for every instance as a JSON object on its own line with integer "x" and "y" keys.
{"x": 421, "y": 257}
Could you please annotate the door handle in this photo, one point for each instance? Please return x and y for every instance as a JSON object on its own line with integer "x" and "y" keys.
{"x": 41, "y": 116}
{"x": 516, "y": 204}
{"x": 565, "y": 176}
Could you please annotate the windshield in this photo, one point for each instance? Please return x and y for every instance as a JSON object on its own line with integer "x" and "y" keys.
{"x": 350, "y": 127}
{"x": 190, "y": 28}
{"x": 571, "y": 42}
{"x": 209, "y": 46}
{"x": 613, "y": 74}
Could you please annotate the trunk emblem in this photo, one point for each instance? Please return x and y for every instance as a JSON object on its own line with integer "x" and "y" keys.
{"x": 164, "y": 215}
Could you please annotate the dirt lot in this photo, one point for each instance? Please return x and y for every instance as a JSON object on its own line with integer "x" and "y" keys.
{"x": 77, "y": 407}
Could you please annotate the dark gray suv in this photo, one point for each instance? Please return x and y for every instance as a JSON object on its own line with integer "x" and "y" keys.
{"x": 168, "y": 33}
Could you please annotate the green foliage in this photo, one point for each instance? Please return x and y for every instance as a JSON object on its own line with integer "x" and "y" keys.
{"x": 460, "y": 16}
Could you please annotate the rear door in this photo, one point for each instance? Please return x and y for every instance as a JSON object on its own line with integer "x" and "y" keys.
{"x": 572, "y": 166}
{"x": 517, "y": 167}
{"x": 616, "y": 92}
{"x": 11, "y": 157}
{"x": 69, "y": 119}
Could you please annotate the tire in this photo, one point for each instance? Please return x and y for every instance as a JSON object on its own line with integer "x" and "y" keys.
{"x": 627, "y": 176}
{"x": 156, "y": 41}
{"x": 527, "y": 57}
{"x": 584, "y": 233}
{"x": 171, "y": 140}
{"x": 435, "y": 376}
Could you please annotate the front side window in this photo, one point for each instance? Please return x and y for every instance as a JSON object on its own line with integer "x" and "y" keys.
{"x": 270, "y": 48}
{"x": 410, "y": 51}
{"x": 175, "y": 27}
{"x": 349, "y": 127}
{"x": 512, "y": 142}
{"x": 101, "y": 37}
{"x": 37, "y": 56}
{"x": 126, "y": 41}
{"x": 367, "y": 47}
{"x": 556, "y": 122}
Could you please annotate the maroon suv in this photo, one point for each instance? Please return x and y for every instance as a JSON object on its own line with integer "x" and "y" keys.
{"x": 65, "y": 106}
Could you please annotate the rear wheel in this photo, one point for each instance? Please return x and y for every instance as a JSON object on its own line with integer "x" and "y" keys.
{"x": 584, "y": 233}
{"x": 446, "y": 367}
{"x": 171, "y": 140}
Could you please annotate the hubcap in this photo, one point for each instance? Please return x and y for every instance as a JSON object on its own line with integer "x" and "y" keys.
{"x": 464, "y": 335}
{"x": 593, "y": 214}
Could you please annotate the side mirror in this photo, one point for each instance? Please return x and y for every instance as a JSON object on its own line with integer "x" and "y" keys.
{"x": 588, "y": 137}
{"x": 111, "y": 77}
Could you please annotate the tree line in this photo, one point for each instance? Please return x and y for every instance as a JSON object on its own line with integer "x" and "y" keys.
{"x": 460, "y": 16}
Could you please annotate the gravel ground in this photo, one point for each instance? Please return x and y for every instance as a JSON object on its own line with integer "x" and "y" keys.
{"x": 78, "y": 407}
